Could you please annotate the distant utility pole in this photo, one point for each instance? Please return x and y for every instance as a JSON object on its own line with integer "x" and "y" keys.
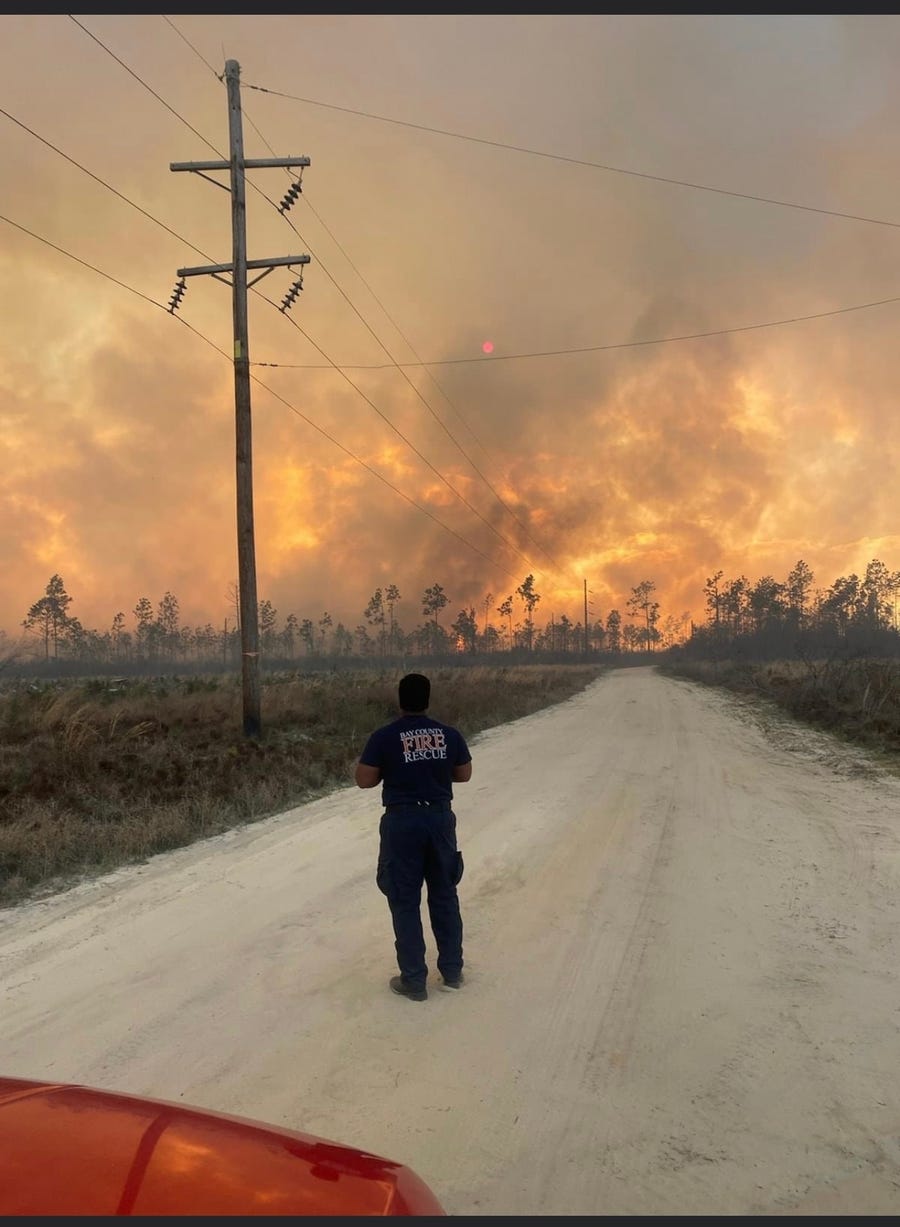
{"x": 586, "y": 639}
{"x": 249, "y": 610}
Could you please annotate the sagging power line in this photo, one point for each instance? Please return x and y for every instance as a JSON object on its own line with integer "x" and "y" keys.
{"x": 292, "y": 195}
{"x": 348, "y": 452}
{"x": 561, "y": 157}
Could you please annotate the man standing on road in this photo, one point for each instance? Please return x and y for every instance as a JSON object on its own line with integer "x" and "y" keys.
{"x": 417, "y": 761}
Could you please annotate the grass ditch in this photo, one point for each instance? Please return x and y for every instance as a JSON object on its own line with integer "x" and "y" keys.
{"x": 102, "y": 773}
{"x": 856, "y": 699}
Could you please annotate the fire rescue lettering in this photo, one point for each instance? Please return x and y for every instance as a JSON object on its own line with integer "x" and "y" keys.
{"x": 419, "y": 744}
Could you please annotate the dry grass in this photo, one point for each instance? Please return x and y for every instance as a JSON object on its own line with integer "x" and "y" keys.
{"x": 858, "y": 699}
{"x": 99, "y": 774}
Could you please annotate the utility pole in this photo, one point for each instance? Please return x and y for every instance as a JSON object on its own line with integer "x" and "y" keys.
{"x": 586, "y": 640}
{"x": 249, "y": 610}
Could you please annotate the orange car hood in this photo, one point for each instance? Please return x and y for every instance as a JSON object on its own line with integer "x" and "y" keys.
{"x": 68, "y": 1150}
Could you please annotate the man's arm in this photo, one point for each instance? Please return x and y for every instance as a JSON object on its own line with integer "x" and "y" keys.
{"x": 462, "y": 772}
{"x": 366, "y": 776}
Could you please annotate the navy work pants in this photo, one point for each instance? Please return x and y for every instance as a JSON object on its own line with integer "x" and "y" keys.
{"x": 418, "y": 846}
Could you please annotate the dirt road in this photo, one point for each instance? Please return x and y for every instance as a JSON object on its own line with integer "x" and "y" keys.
{"x": 682, "y": 931}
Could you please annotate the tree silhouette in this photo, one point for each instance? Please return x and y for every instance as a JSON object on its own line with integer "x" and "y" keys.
{"x": 641, "y": 602}
{"x": 167, "y": 619}
{"x": 504, "y": 609}
{"x": 840, "y": 602}
{"x": 799, "y": 585}
{"x": 290, "y": 633}
{"x": 391, "y": 597}
{"x": 268, "y": 618}
{"x": 233, "y": 596}
{"x": 766, "y": 603}
{"x": 614, "y": 631}
{"x": 565, "y": 627}
{"x": 49, "y": 615}
{"x": 343, "y": 640}
{"x": 875, "y": 596}
{"x": 530, "y": 599}
{"x": 374, "y": 613}
{"x": 143, "y": 616}
{"x": 118, "y": 636}
{"x": 487, "y": 603}
{"x": 466, "y": 628}
{"x": 308, "y": 635}
{"x": 433, "y": 601}
{"x": 714, "y": 598}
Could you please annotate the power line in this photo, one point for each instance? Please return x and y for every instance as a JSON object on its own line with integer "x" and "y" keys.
{"x": 168, "y": 21}
{"x": 537, "y": 153}
{"x": 389, "y": 484}
{"x": 103, "y": 183}
{"x": 131, "y": 72}
{"x": 400, "y": 367}
{"x": 594, "y": 349}
{"x": 499, "y": 357}
{"x": 384, "y": 417}
{"x": 409, "y": 443}
{"x": 394, "y": 365}
{"x": 93, "y": 268}
{"x": 391, "y": 319}
{"x": 229, "y": 357}
{"x": 384, "y": 366}
{"x": 559, "y": 157}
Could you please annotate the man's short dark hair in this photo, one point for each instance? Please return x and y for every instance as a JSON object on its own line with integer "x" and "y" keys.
{"x": 414, "y": 692}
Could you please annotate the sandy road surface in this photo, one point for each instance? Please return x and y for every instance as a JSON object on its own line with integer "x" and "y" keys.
{"x": 682, "y": 933}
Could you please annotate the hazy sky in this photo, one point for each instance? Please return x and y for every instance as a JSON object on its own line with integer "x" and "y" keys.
{"x": 614, "y": 183}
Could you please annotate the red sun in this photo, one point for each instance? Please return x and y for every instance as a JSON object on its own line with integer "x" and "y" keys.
{"x": 488, "y": 347}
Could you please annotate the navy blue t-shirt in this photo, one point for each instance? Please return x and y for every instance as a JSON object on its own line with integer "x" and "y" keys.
{"x": 416, "y": 756}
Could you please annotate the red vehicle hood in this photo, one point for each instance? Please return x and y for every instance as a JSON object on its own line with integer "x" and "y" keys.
{"x": 69, "y": 1150}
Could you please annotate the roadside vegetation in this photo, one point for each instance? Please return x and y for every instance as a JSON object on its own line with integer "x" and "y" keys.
{"x": 829, "y": 657}
{"x": 101, "y": 773}
{"x": 104, "y": 772}
{"x": 856, "y": 698}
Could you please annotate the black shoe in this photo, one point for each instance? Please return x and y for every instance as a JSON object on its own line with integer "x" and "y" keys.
{"x": 457, "y": 983}
{"x": 406, "y": 990}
